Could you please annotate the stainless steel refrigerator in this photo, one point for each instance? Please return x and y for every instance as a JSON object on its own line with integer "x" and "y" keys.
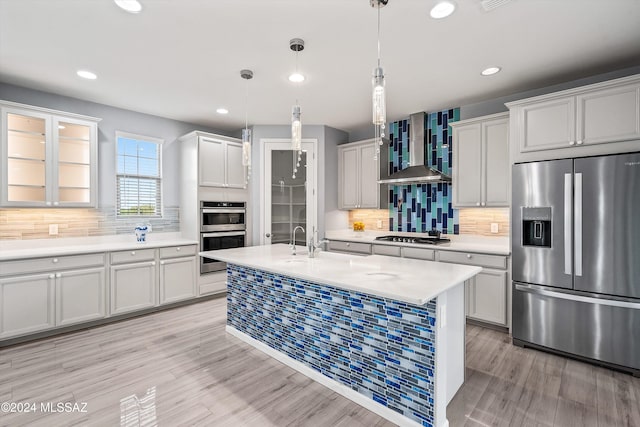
{"x": 576, "y": 258}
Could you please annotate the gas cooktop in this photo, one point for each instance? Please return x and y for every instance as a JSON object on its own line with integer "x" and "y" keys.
{"x": 426, "y": 240}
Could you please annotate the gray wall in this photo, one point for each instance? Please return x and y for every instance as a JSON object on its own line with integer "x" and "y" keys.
{"x": 328, "y": 140}
{"x": 496, "y": 105}
{"x": 116, "y": 119}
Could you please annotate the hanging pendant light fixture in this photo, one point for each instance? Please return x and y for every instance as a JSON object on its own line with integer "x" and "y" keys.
{"x": 246, "y": 133}
{"x": 378, "y": 99}
{"x": 296, "y": 45}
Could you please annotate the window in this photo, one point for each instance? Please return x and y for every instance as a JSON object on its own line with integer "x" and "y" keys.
{"x": 139, "y": 176}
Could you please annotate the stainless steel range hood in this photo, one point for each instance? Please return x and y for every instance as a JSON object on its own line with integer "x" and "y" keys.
{"x": 417, "y": 172}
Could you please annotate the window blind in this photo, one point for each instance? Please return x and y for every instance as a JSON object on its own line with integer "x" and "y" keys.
{"x": 139, "y": 180}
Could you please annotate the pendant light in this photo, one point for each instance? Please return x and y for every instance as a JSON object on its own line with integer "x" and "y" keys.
{"x": 296, "y": 45}
{"x": 246, "y": 133}
{"x": 378, "y": 97}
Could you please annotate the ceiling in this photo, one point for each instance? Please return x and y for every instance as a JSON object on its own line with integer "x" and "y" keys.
{"x": 182, "y": 58}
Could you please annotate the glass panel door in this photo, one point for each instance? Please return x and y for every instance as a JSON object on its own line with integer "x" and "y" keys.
{"x": 26, "y": 158}
{"x": 74, "y": 162}
{"x": 288, "y": 196}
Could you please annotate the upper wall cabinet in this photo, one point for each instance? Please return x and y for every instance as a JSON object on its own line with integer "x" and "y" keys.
{"x": 598, "y": 119}
{"x": 358, "y": 175}
{"x": 481, "y": 161}
{"x": 49, "y": 158}
{"x": 219, "y": 160}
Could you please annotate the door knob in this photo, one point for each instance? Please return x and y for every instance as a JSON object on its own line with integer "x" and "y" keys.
{"x": 267, "y": 235}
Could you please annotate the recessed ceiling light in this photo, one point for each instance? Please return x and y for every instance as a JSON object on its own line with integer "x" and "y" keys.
{"x": 442, "y": 9}
{"x": 296, "y": 78}
{"x": 490, "y": 71}
{"x": 87, "y": 74}
{"x": 131, "y": 6}
{"x": 222, "y": 111}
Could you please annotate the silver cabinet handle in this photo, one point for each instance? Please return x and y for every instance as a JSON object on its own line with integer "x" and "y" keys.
{"x": 48, "y": 203}
{"x": 161, "y": 262}
{"x": 567, "y": 223}
{"x": 55, "y": 260}
{"x": 484, "y": 204}
{"x": 348, "y": 244}
{"x": 153, "y": 263}
{"x": 59, "y": 275}
{"x": 55, "y": 203}
{"x": 178, "y": 249}
{"x": 572, "y": 142}
{"x": 579, "y": 142}
{"x": 477, "y": 203}
{"x": 468, "y": 256}
{"x": 51, "y": 276}
{"x": 133, "y": 253}
{"x": 577, "y": 224}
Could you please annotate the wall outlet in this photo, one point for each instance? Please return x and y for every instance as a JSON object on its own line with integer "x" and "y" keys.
{"x": 494, "y": 227}
{"x": 379, "y": 223}
{"x": 53, "y": 229}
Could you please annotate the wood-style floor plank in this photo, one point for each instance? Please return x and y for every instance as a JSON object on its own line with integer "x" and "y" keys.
{"x": 198, "y": 375}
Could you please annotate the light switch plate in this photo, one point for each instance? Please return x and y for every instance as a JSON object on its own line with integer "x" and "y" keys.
{"x": 379, "y": 223}
{"x": 53, "y": 229}
{"x": 494, "y": 227}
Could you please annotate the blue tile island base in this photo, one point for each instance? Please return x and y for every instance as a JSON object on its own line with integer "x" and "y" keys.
{"x": 402, "y": 361}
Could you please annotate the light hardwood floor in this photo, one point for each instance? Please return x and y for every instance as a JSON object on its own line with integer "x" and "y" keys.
{"x": 179, "y": 367}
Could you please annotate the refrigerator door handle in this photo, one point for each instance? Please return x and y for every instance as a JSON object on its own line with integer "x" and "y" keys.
{"x": 568, "y": 214}
{"x": 577, "y": 223}
{"x": 573, "y": 297}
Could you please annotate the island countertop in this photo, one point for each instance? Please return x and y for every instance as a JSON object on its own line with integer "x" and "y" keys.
{"x": 402, "y": 279}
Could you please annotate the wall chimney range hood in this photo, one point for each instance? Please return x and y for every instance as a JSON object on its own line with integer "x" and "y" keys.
{"x": 417, "y": 172}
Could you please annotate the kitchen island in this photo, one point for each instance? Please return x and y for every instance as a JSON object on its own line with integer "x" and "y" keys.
{"x": 387, "y": 333}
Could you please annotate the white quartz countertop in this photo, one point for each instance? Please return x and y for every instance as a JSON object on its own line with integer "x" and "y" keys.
{"x": 36, "y": 248}
{"x": 402, "y": 279}
{"x": 460, "y": 243}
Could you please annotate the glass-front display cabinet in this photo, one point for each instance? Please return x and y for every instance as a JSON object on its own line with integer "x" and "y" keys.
{"x": 49, "y": 158}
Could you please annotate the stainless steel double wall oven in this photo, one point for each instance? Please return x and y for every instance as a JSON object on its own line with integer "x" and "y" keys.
{"x": 222, "y": 226}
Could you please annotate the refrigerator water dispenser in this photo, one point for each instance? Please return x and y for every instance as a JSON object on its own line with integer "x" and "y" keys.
{"x": 536, "y": 227}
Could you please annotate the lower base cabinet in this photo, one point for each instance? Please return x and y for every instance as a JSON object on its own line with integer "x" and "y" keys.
{"x": 487, "y": 298}
{"x": 133, "y": 287}
{"x": 26, "y": 304}
{"x": 177, "y": 279}
{"x": 80, "y": 296}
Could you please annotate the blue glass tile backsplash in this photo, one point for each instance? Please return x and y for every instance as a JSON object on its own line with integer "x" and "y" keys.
{"x": 381, "y": 348}
{"x": 422, "y": 207}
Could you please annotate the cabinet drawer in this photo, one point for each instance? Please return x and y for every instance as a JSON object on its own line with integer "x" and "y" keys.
{"x": 386, "y": 250}
{"x": 133, "y": 256}
{"x": 177, "y": 251}
{"x": 481, "y": 260}
{"x": 26, "y": 266}
{"x": 418, "y": 253}
{"x": 355, "y": 247}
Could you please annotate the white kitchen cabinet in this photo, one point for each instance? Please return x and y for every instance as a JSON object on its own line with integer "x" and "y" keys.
{"x": 358, "y": 176}
{"x": 178, "y": 267}
{"x": 49, "y": 158}
{"x": 602, "y": 118}
{"x": 220, "y": 162}
{"x": 80, "y": 296}
{"x": 487, "y": 297}
{"x": 133, "y": 287}
{"x": 481, "y": 162}
{"x": 26, "y": 304}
